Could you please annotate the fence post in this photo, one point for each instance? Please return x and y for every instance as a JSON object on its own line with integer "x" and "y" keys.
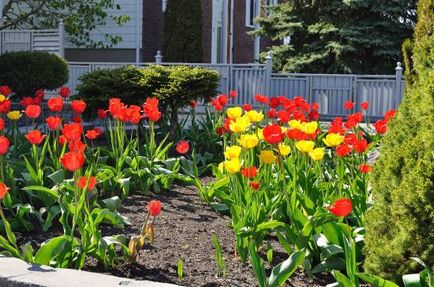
{"x": 61, "y": 38}
{"x": 398, "y": 79}
{"x": 268, "y": 71}
{"x": 158, "y": 57}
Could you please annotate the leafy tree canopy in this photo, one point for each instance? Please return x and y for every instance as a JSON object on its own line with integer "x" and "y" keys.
{"x": 339, "y": 36}
{"x": 80, "y": 17}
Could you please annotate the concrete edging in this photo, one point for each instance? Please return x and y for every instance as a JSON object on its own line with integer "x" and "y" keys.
{"x": 17, "y": 273}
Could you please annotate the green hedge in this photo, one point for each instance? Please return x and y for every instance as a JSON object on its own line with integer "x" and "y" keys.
{"x": 401, "y": 223}
{"x": 175, "y": 86}
{"x": 26, "y": 72}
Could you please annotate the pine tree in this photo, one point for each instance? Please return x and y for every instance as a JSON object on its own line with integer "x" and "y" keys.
{"x": 401, "y": 223}
{"x": 183, "y": 31}
{"x": 335, "y": 36}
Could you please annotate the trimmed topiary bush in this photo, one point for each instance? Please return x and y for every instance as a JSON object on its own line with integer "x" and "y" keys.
{"x": 26, "y": 72}
{"x": 401, "y": 223}
{"x": 129, "y": 83}
{"x": 174, "y": 86}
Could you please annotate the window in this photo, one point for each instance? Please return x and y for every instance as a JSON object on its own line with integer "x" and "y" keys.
{"x": 250, "y": 12}
{"x": 164, "y": 4}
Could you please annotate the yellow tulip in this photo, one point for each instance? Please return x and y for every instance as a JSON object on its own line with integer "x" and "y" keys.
{"x": 332, "y": 140}
{"x": 305, "y": 146}
{"x": 267, "y": 156}
{"x": 233, "y": 165}
{"x": 234, "y": 112}
{"x": 317, "y": 154}
{"x": 240, "y": 124}
{"x": 284, "y": 129}
{"x": 255, "y": 116}
{"x": 2, "y": 98}
{"x": 232, "y": 152}
{"x": 295, "y": 124}
{"x": 260, "y": 134}
{"x": 248, "y": 141}
{"x": 14, "y": 115}
{"x": 284, "y": 149}
{"x": 309, "y": 128}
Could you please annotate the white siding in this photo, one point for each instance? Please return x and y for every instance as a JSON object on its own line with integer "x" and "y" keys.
{"x": 127, "y": 31}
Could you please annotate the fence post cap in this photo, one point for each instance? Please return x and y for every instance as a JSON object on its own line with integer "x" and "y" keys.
{"x": 398, "y": 66}
{"x": 269, "y": 55}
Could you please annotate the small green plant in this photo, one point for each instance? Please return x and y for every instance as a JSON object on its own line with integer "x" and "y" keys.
{"x": 221, "y": 266}
{"x": 180, "y": 269}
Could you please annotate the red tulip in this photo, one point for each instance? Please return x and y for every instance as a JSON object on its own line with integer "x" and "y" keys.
{"x": 89, "y": 181}
{"x": 55, "y": 104}
{"x": 115, "y": 107}
{"x": 283, "y": 116}
{"x": 35, "y": 137}
{"x": 3, "y": 190}
{"x": 380, "y": 126}
{"x": 365, "y": 168}
{"x": 5, "y": 106}
{"x": 64, "y": 91}
{"x": 62, "y": 140}
{"x": 39, "y": 95}
{"x": 33, "y": 111}
{"x": 182, "y": 147}
{"x": 2, "y": 124}
{"x": 76, "y": 119}
{"x": 72, "y": 160}
{"x": 150, "y": 109}
{"x": 361, "y": 146}
{"x": 343, "y": 150}
{"x": 154, "y": 207}
{"x": 247, "y": 107}
{"x": 349, "y": 105}
{"x": 350, "y": 139}
{"x": 53, "y": 123}
{"x": 72, "y": 131}
{"x": 92, "y": 134}
{"x": 249, "y": 172}
{"x": 5, "y": 90}
{"x": 233, "y": 94}
{"x": 341, "y": 207}
{"x": 261, "y": 98}
{"x": 26, "y": 101}
{"x": 77, "y": 146}
{"x": 102, "y": 114}
{"x": 98, "y": 131}
{"x": 271, "y": 113}
{"x": 255, "y": 185}
{"x": 78, "y": 106}
{"x": 273, "y": 134}
{"x": 364, "y": 105}
{"x": 389, "y": 114}
{"x": 216, "y": 104}
{"x": 223, "y": 100}
{"x": 193, "y": 104}
{"x": 4, "y": 145}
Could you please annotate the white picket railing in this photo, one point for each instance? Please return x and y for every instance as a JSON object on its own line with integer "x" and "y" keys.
{"x": 383, "y": 92}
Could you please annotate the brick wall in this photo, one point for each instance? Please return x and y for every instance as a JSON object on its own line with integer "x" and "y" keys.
{"x": 153, "y": 21}
{"x": 243, "y": 43}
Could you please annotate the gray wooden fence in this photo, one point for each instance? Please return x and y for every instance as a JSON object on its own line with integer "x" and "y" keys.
{"x": 383, "y": 92}
{"x": 33, "y": 40}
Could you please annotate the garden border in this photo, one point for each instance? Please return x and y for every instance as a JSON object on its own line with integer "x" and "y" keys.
{"x": 17, "y": 273}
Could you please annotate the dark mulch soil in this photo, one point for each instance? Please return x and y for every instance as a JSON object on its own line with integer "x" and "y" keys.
{"x": 184, "y": 230}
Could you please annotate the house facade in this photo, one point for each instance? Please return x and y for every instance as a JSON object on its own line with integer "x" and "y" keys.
{"x": 225, "y": 38}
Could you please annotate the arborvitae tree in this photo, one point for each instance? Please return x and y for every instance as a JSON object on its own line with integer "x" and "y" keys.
{"x": 183, "y": 31}
{"x": 401, "y": 223}
{"x": 335, "y": 36}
